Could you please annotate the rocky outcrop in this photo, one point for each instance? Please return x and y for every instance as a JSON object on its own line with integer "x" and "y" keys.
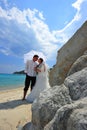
{"x": 77, "y": 84}
{"x": 60, "y": 109}
{"x": 19, "y": 72}
{"x": 48, "y": 103}
{"x": 67, "y": 55}
{"x": 64, "y": 106}
{"x": 79, "y": 64}
{"x": 70, "y": 117}
{"x": 45, "y": 107}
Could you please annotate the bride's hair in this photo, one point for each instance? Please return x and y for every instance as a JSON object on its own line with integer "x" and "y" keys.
{"x": 41, "y": 60}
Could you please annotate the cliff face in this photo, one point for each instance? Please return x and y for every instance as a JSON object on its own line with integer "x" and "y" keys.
{"x": 67, "y": 55}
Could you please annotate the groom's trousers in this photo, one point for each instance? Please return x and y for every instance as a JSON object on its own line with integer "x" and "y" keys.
{"x": 29, "y": 81}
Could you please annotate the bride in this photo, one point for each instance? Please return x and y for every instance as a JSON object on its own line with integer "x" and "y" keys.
{"x": 41, "y": 81}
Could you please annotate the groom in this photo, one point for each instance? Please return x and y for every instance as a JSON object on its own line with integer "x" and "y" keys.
{"x": 30, "y": 74}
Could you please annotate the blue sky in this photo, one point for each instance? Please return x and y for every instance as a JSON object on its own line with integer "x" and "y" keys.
{"x": 40, "y": 25}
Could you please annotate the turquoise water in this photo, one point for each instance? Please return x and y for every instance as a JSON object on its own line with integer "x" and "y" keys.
{"x": 8, "y": 81}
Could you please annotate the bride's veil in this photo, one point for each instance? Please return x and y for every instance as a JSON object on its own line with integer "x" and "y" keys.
{"x": 46, "y": 69}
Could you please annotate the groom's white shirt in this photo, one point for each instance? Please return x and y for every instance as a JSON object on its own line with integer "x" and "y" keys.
{"x": 29, "y": 68}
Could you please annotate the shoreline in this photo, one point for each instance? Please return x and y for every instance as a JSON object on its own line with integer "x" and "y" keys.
{"x": 11, "y": 87}
{"x": 14, "y": 113}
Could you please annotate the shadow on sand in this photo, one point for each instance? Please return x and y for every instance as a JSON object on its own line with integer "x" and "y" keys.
{"x": 12, "y": 104}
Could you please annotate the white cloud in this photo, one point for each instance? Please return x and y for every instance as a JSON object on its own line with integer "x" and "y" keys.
{"x": 4, "y": 51}
{"x": 25, "y": 30}
{"x": 5, "y": 3}
{"x": 41, "y": 15}
{"x": 9, "y": 68}
{"x": 77, "y": 4}
{"x": 22, "y": 31}
{"x": 64, "y": 34}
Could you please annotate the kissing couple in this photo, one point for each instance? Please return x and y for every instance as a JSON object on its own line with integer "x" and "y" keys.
{"x": 36, "y": 78}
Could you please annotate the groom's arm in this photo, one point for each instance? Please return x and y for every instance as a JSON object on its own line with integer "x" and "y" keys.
{"x": 26, "y": 67}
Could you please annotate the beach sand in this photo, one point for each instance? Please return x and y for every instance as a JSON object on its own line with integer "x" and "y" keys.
{"x": 14, "y": 113}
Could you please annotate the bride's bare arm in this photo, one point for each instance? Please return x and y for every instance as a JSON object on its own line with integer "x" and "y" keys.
{"x": 42, "y": 69}
{"x": 38, "y": 70}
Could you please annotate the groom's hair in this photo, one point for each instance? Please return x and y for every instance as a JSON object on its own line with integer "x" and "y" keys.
{"x": 35, "y": 56}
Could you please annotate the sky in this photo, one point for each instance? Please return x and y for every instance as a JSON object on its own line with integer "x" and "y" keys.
{"x": 39, "y": 25}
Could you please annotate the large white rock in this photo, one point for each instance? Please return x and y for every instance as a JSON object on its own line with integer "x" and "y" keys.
{"x": 67, "y": 55}
{"x": 70, "y": 117}
{"x": 79, "y": 64}
{"x": 77, "y": 84}
{"x": 44, "y": 108}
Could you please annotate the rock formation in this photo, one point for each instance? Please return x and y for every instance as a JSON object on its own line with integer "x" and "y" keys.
{"x": 19, "y": 72}
{"x": 67, "y": 55}
{"x": 64, "y": 105}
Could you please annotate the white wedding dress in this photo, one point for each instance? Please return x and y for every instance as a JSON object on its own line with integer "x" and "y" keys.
{"x": 42, "y": 84}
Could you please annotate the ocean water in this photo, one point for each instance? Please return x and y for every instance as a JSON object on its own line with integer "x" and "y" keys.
{"x": 11, "y": 81}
